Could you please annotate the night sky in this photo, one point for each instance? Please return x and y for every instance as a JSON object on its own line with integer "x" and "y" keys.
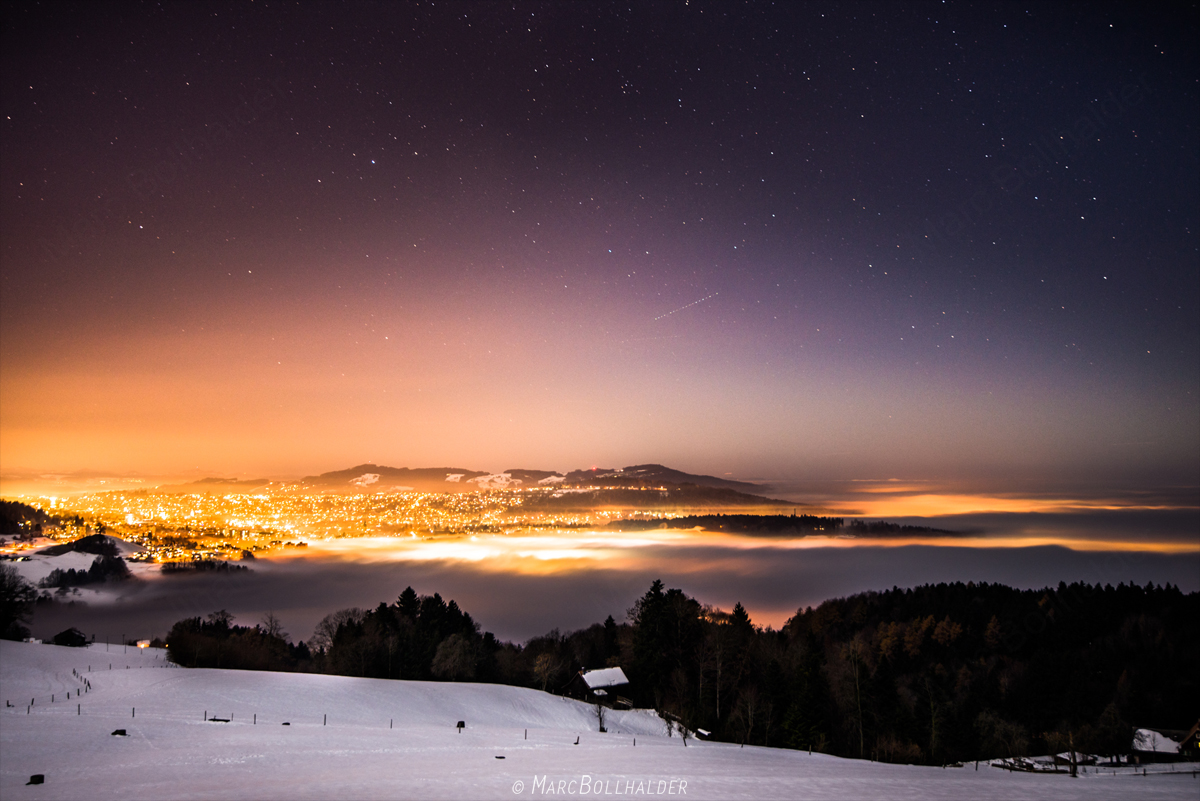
{"x": 927, "y": 241}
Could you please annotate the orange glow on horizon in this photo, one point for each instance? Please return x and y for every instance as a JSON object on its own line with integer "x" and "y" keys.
{"x": 941, "y": 504}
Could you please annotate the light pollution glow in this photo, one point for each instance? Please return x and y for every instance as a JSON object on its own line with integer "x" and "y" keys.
{"x": 718, "y": 567}
{"x": 577, "y": 574}
{"x": 547, "y": 554}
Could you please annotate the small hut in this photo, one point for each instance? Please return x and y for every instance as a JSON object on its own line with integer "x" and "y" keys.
{"x": 597, "y": 687}
{"x": 1159, "y": 745}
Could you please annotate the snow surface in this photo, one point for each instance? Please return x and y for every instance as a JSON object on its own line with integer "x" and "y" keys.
{"x": 38, "y": 566}
{"x": 171, "y": 752}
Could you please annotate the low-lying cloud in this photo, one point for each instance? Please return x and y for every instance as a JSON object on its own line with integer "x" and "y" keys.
{"x": 577, "y": 590}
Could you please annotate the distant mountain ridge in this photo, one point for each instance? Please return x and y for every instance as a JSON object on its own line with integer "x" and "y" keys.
{"x": 376, "y": 478}
{"x": 217, "y": 486}
{"x": 653, "y": 475}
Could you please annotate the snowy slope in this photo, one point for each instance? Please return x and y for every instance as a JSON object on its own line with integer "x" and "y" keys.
{"x": 172, "y": 752}
{"x": 39, "y": 566}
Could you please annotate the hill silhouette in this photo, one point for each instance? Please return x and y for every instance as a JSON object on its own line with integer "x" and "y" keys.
{"x": 370, "y": 477}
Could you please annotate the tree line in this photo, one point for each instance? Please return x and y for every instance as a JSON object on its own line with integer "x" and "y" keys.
{"x": 932, "y": 674}
{"x": 103, "y": 568}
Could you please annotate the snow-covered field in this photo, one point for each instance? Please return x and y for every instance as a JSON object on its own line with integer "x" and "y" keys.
{"x": 398, "y": 740}
{"x": 37, "y": 566}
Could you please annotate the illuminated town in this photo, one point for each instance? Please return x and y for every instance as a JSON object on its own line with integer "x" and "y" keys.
{"x": 170, "y": 527}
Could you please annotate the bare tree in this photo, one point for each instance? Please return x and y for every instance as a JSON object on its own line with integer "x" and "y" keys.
{"x": 711, "y": 656}
{"x": 220, "y": 618}
{"x": 326, "y": 630}
{"x": 16, "y": 601}
{"x": 273, "y": 626}
{"x": 854, "y": 651}
{"x": 747, "y": 707}
{"x": 668, "y": 720}
{"x": 545, "y": 668}
{"x": 455, "y": 659}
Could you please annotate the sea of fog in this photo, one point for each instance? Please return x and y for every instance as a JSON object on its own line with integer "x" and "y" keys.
{"x": 525, "y": 585}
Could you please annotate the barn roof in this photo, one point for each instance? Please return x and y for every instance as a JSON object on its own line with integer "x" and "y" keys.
{"x": 607, "y": 677}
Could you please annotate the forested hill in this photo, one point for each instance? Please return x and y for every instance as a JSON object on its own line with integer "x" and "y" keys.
{"x": 959, "y": 670}
{"x": 931, "y": 674}
{"x": 21, "y": 519}
{"x": 677, "y": 499}
{"x": 779, "y": 524}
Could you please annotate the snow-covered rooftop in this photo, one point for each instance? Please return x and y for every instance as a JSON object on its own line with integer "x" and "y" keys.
{"x": 1151, "y": 740}
{"x": 606, "y": 677}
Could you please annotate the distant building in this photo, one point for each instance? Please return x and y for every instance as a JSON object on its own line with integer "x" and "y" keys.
{"x": 1163, "y": 745}
{"x": 1190, "y": 747}
{"x": 598, "y": 686}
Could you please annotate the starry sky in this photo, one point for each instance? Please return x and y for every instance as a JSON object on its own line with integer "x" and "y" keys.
{"x": 780, "y": 241}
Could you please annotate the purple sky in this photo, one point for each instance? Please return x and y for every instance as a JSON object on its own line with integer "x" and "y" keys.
{"x": 793, "y": 240}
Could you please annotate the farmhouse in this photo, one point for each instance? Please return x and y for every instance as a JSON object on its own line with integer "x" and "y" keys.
{"x": 1162, "y": 745}
{"x": 597, "y": 687}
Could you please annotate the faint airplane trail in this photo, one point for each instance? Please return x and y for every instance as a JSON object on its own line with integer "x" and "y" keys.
{"x": 690, "y": 305}
{"x": 647, "y": 339}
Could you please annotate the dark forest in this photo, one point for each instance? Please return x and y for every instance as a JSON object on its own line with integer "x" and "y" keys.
{"x": 933, "y": 674}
